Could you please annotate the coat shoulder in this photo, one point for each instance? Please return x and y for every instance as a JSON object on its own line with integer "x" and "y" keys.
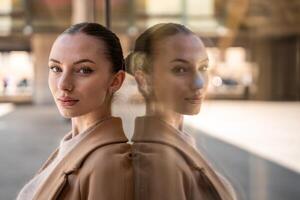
{"x": 107, "y": 173}
{"x": 162, "y": 155}
{"x": 110, "y": 157}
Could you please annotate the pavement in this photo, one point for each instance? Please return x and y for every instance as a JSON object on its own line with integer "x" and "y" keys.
{"x": 28, "y": 135}
{"x": 253, "y": 143}
{"x": 268, "y": 129}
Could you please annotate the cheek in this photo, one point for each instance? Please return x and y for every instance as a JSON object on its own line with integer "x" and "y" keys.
{"x": 93, "y": 90}
{"x": 52, "y": 84}
{"x": 97, "y": 92}
{"x": 170, "y": 89}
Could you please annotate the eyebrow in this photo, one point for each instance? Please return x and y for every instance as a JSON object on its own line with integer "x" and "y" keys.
{"x": 84, "y": 60}
{"x": 185, "y": 61}
{"x": 77, "y": 62}
{"x": 204, "y": 60}
{"x": 179, "y": 60}
{"x": 53, "y": 60}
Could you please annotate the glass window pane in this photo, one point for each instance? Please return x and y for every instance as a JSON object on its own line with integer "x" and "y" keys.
{"x": 203, "y": 8}
{"x": 5, "y": 6}
{"x": 5, "y": 25}
{"x": 163, "y": 7}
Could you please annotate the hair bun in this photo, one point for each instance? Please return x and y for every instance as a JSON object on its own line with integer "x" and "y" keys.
{"x": 136, "y": 61}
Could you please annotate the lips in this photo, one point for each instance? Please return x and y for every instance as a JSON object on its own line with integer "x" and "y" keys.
{"x": 194, "y": 100}
{"x": 67, "y": 101}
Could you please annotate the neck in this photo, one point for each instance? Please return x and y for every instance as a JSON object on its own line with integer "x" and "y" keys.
{"x": 83, "y": 122}
{"x": 172, "y": 118}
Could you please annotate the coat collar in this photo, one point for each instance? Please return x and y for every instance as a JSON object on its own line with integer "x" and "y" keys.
{"x": 150, "y": 129}
{"x": 108, "y": 132}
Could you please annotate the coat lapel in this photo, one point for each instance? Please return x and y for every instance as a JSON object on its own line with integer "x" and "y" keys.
{"x": 108, "y": 132}
{"x": 150, "y": 129}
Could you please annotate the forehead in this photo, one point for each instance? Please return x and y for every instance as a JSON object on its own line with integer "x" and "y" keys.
{"x": 77, "y": 45}
{"x": 185, "y": 46}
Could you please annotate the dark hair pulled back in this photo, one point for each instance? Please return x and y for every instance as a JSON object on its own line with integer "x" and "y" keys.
{"x": 140, "y": 57}
{"x": 112, "y": 42}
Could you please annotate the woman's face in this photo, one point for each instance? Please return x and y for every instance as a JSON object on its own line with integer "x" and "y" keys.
{"x": 179, "y": 76}
{"x": 79, "y": 74}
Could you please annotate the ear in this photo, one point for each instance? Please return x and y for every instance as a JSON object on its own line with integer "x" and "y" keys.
{"x": 117, "y": 81}
{"x": 143, "y": 82}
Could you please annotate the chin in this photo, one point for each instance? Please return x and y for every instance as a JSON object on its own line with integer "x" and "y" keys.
{"x": 68, "y": 113}
{"x": 194, "y": 110}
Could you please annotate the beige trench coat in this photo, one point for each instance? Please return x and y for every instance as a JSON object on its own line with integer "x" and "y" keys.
{"x": 98, "y": 168}
{"x": 167, "y": 168}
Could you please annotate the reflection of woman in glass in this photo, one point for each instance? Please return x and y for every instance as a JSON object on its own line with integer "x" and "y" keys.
{"x": 85, "y": 69}
{"x": 170, "y": 65}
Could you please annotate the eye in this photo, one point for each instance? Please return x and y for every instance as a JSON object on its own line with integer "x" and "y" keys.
{"x": 203, "y": 68}
{"x": 179, "y": 70}
{"x": 85, "y": 70}
{"x": 55, "y": 69}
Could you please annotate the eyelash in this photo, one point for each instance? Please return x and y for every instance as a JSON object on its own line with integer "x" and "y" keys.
{"x": 203, "y": 68}
{"x": 86, "y": 70}
{"x": 52, "y": 68}
{"x": 179, "y": 70}
{"x": 82, "y": 70}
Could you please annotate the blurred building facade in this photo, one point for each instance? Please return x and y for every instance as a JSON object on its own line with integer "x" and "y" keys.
{"x": 254, "y": 45}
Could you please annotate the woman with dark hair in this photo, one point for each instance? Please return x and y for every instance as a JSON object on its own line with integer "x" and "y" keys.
{"x": 170, "y": 65}
{"x": 86, "y": 67}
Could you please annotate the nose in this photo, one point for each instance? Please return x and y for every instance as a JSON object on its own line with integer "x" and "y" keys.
{"x": 198, "y": 81}
{"x": 65, "y": 82}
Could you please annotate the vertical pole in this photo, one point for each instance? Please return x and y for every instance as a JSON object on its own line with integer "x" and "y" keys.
{"x": 94, "y": 16}
{"x": 26, "y": 5}
{"x": 184, "y": 12}
{"x": 83, "y": 11}
{"x": 107, "y": 13}
{"x": 27, "y": 30}
{"x": 298, "y": 67}
{"x": 132, "y": 13}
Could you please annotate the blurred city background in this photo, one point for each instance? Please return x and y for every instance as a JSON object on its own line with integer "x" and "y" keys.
{"x": 249, "y": 128}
